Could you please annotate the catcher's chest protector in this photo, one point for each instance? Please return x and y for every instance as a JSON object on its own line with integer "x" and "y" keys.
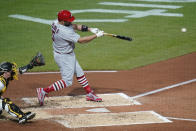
{"x": 3, "y": 86}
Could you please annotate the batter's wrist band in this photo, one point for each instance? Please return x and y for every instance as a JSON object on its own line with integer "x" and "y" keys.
{"x": 84, "y": 28}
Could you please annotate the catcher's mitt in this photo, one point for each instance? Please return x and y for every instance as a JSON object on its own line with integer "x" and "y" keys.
{"x": 37, "y": 60}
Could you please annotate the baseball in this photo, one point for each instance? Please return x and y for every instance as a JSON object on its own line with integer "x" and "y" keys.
{"x": 183, "y": 30}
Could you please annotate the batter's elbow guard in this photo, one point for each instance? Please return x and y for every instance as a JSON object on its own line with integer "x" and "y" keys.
{"x": 84, "y": 28}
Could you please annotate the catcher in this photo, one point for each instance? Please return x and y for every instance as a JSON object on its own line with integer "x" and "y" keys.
{"x": 9, "y": 72}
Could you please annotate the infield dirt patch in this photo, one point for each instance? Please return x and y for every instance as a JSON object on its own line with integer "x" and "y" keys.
{"x": 115, "y": 99}
{"x": 133, "y": 82}
{"x": 109, "y": 119}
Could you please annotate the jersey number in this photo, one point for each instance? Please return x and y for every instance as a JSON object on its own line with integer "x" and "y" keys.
{"x": 54, "y": 30}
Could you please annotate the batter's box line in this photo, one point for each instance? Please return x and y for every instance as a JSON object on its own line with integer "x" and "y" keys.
{"x": 33, "y": 101}
{"x": 126, "y": 97}
{"x": 182, "y": 119}
{"x": 69, "y": 124}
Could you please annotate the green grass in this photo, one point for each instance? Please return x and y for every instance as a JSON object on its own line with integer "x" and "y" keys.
{"x": 156, "y": 38}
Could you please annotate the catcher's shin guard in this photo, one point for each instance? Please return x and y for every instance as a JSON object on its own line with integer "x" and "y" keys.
{"x": 11, "y": 108}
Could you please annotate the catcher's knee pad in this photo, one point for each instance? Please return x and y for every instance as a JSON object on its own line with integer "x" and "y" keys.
{"x": 11, "y": 108}
{"x": 4, "y": 102}
{"x": 1, "y": 106}
{"x": 7, "y": 100}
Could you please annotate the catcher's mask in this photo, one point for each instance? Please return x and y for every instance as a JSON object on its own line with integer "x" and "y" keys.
{"x": 9, "y": 67}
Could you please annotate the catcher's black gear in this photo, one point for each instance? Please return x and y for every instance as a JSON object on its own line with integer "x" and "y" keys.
{"x": 11, "y": 108}
{"x": 27, "y": 116}
{"x": 5, "y": 67}
{"x": 9, "y": 67}
{"x": 15, "y": 111}
{"x": 37, "y": 60}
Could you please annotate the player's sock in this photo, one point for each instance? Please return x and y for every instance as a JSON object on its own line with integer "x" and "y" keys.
{"x": 56, "y": 86}
{"x": 84, "y": 82}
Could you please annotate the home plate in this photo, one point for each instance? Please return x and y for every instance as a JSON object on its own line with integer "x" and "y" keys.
{"x": 110, "y": 119}
{"x": 114, "y": 99}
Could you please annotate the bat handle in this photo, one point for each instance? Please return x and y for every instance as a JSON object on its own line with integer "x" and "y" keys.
{"x": 108, "y": 34}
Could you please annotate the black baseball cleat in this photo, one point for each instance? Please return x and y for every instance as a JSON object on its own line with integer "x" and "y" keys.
{"x": 25, "y": 117}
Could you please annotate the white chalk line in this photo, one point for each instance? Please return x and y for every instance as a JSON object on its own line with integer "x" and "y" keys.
{"x": 163, "y": 89}
{"x": 49, "y": 22}
{"x": 172, "y": 1}
{"x": 123, "y": 95}
{"x": 129, "y": 98}
{"x": 140, "y": 5}
{"x": 165, "y": 120}
{"x": 98, "y": 110}
{"x": 131, "y": 14}
{"x": 183, "y": 119}
{"x": 161, "y": 117}
{"x": 39, "y": 73}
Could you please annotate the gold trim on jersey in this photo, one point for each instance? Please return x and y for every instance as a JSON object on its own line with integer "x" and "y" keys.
{"x": 2, "y": 79}
{"x": 14, "y": 69}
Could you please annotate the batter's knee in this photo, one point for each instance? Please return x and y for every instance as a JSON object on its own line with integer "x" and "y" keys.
{"x": 68, "y": 82}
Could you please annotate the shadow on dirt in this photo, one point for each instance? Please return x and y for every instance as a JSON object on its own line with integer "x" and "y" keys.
{"x": 80, "y": 91}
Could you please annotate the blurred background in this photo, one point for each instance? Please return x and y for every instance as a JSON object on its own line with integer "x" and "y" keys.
{"x": 155, "y": 26}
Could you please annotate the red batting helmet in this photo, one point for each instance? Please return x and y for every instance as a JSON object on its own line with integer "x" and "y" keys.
{"x": 65, "y": 15}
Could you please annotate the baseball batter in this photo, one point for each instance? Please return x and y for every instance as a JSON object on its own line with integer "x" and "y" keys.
{"x": 64, "y": 38}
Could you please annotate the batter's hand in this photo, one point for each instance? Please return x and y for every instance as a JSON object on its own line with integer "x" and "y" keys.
{"x": 94, "y": 30}
{"x": 100, "y": 33}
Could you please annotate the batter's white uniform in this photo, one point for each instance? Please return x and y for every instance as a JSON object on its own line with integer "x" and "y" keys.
{"x": 64, "y": 39}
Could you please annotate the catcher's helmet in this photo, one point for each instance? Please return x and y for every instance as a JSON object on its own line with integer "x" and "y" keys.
{"x": 65, "y": 15}
{"x": 7, "y": 67}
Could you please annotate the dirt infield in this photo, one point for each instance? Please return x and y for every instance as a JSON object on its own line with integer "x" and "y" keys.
{"x": 177, "y": 104}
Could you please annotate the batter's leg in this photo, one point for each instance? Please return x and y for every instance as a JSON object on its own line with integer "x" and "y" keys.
{"x": 66, "y": 64}
{"x": 81, "y": 78}
{"x": 91, "y": 96}
{"x": 84, "y": 83}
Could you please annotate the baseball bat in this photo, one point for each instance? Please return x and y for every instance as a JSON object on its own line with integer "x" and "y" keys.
{"x": 119, "y": 36}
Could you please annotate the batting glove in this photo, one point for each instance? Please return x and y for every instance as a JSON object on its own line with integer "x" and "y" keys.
{"x": 100, "y": 33}
{"x": 94, "y": 30}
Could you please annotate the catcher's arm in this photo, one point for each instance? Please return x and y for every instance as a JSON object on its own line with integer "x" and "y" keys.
{"x": 37, "y": 60}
